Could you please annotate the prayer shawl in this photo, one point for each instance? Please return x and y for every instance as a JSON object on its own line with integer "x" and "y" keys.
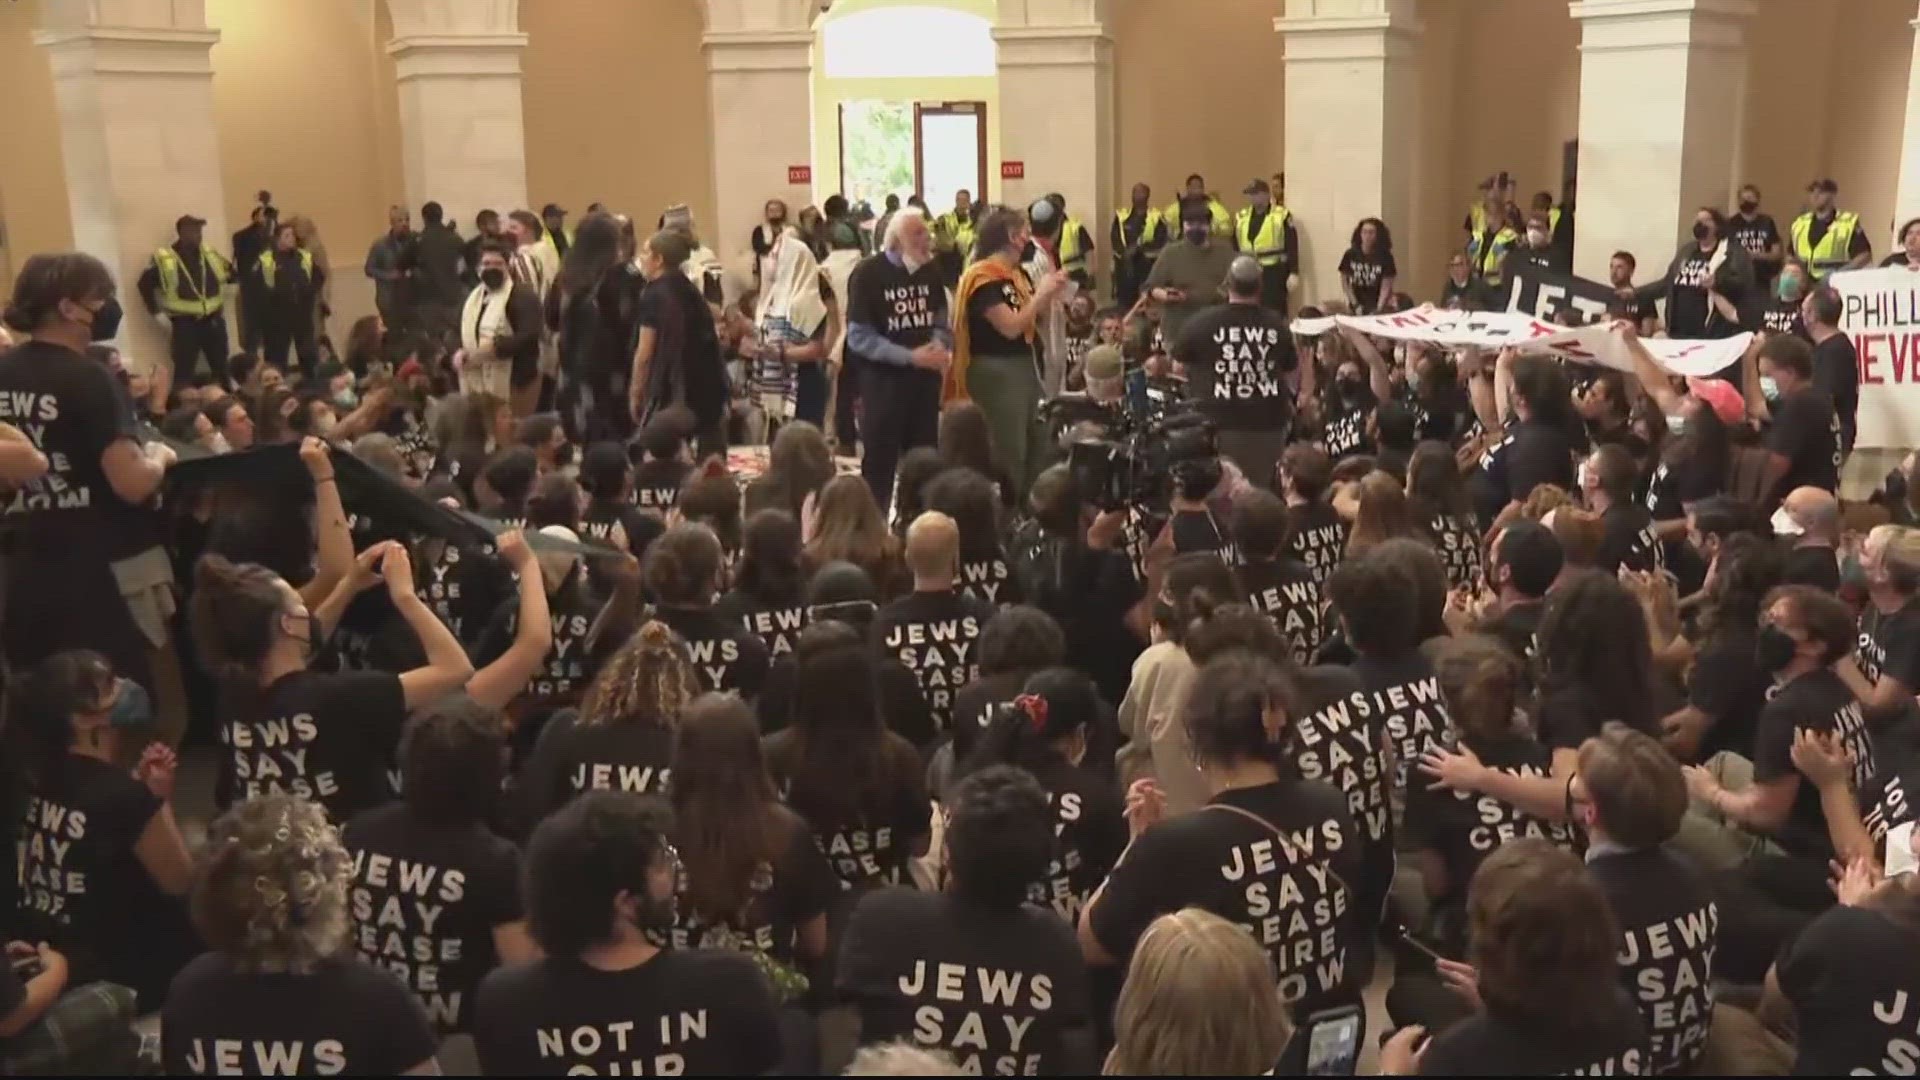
{"x": 980, "y": 273}
{"x": 484, "y": 316}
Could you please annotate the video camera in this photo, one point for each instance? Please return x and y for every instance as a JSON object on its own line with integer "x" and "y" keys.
{"x": 1144, "y": 462}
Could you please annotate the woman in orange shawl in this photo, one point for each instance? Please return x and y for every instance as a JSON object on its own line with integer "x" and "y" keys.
{"x": 994, "y": 362}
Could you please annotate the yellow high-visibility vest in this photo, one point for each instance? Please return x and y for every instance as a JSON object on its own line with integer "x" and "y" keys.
{"x": 1270, "y": 246}
{"x": 173, "y": 274}
{"x": 1073, "y": 257}
{"x": 1477, "y": 216}
{"x": 1553, "y": 221}
{"x": 953, "y": 232}
{"x": 268, "y": 264}
{"x": 1148, "y": 245}
{"x": 1486, "y": 262}
{"x": 1830, "y": 253}
{"x": 1222, "y": 220}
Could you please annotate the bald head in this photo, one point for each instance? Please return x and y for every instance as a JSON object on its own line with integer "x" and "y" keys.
{"x": 1243, "y": 278}
{"x": 1815, "y": 511}
{"x": 933, "y": 551}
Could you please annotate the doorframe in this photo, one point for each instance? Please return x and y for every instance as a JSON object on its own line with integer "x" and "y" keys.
{"x": 976, "y": 109}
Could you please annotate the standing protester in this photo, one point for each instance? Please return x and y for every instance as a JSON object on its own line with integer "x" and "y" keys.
{"x": 1709, "y": 285}
{"x": 596, "y": 334}
{"x": 1237, "y": 357}
{"x": 185, "y": 288}
{"x": 1836, "y": 364}
{"x": 1265, "y": 231}
{"x": 248, "y": 244}
{"x": 677, "y": 358}
{"x": 439, "y": 254}
{"x": 1827, "y": 238}
{"x": 1367, "y": 269}
{"x": 392, "y": 264}
{"x": 1909, "y": 253}
{"x": 1137, "y": 235}
{"x": 1191, "y": 273}
{"x": 933, "y": 630}
{"x": 288, "y": 282}
{"x": 788, "y": 352}
{"x": 1759, "y": 237}
{"x": 500, "y": 327}
{"x": 1804, "y": 439}
{"x": 1628, "y": 302}
{"x": 1782, "y": 315}
{"x": 486, "y": 227}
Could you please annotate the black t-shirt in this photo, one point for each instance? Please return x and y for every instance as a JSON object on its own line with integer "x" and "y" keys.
{"x": 1821, "y": 702}
{"x": 1237, "y": 357}
{"x": 776, "y": 624}
{"x": 1727, "y": 684}
{"x": 425, "y": 902}
{"x": 345, "y": 1018}
{"x": 1465, "y": 827}
{"x": 726, "y": 655}
{"x": 685, "y": 1012}
{"x": 985, "y": 340}
{"x": 1287, "y": 592}
{"x": 904, "y": 307}
{"x": 1853, "y": 978}
{"x": 569, "y": 666}
{"x": 991, "y": 580}
{"x": 1345, "y": 429}
{"x": 323, "y": 736}
{"x": 784, "y": 895}
{"x": 933, "y": 635}
{"x": 571, "y": 757}
{"x": 1457, "y": 543}
{"x": 82, "y": 887}
{"x": 1627, "y": 540}
{"x": 1756, "y": 234}
{"x": 1197, "y": 532}
{"x": 1534, "y": 452}
{"x": 1516, "y": 624}
{"x": 1672, "y": 487}
{"x": 995, "y": 989}
{"x": 1318, "y": 539}
{"x": 642, "y": 528}
{"x": 1783, "y": 317}
{"x": 1836, "y": 373}
{"x": 465, "y": 588}
{"x": 1341, "y": 739}
{"x": 1889, "y": 645}
{"x": 673, "y": 308}
{"x": 1089, "y": 830}
{"x": 1688, "y": 308}
{"x": 1815, "y": 565}
{"x": 1806, "y": 431}
{"x": 1295, "y": 891}
{"x": 1406, "y": 694}
{"x": 1485, "y": 1045}
{"x": 657, "y": 481}
{"x": 70, "y": 407}
{"x": 1884, "y": 803}
{"x": 1364, "y": 273}
{"x": 867, "y": 846}
{"x": 1440, "y": 413}
{"x": 1669, "y": 927}
{"x": 1566, "y": 716}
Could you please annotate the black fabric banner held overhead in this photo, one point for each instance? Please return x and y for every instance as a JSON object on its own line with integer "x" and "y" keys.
{"x": 1540, "y": 292}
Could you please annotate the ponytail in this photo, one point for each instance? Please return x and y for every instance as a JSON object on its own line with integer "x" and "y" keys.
{"x": 1055, "y": 703}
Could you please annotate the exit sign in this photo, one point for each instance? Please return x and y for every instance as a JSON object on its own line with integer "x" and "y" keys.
{"x": 799, "y": 174}
{"x": 1013, "y": 170}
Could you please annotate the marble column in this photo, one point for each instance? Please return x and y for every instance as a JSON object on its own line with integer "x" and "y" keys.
{"x": 1351, "y": 101}
{"x": 1644, "y": 171}
{"x": 1057, "y": 109}
{"x": 133, "y": 83}
{"x": 760, "y": 88}
{"x": 462, "y": 136}
{"x": 1906, "y": 197}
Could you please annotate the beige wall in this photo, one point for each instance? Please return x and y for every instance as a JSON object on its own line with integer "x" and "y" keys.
{"x": 33, "y": 183}
{"x": 616, "y": 110}
{"x": 1197, "y": 88}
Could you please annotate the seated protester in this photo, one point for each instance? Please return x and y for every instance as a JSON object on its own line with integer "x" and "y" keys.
{"x": 1580, "y": 532}
{"x": 1017, "y": 643}
{"x": 282, "y": 990}
{"x": 799, "y": 464}
{"x": 752, "y": 879}
{"x": 918, "y": 467}
{"x": 504, "y": 486}
{"x": 1440, "y": 506}
{"x": 1277, "y": 585}
{"x": 965, "y": 441}
{"x": 1394, "y": 430}
{"x": 711, "y": 497}
{"x": 468, "y": 430}
{"x": 327, "y": 736}
{"x": 1712, "y": 522}
{"x": 973, "y": 502}
{"x": 1156, "y": 746}
{"x": 1594, "y": 665}
{"x": 1537, "y": 448}
{"x": 1371, "y": 596}
{"x": 1850, "y": 977}
{"x": 1377, "y": 506}
{"x": 1268, "y": 851}
{"x": 1605, "y": 409}
{"x": 608, "y": 481}
{"x": 768, "y": 596}
{"x": 542, "y": 434}
{"x": 1192, "y": 526}
{"x": 933, "y": 630}
{"x": 1077, "y": 573}
{"x": 1046, "y": 731}
{"x": 664, "y": 452}
{"x": 848, "y": 527}
{"x": 859, "y": 786}
{"x": 1804, "y": 432}
{"x": 436, "y": 897}
{"x": 1629, "y": 796}
{"x": 1319, "y": 534}
{"x": 1808, "y": 521}
{"x": 1726, "y": 686}
{"x": 843, "y": 593}
{"x": 621, "y": 737}
{"x": 683, "y": 574}
{"x": 1547, "y": 996}
{"x": 1199, "y": 1000}
{"x": 1804, "y": 630}
{"x": 600, "y": 878}
{"x": 582, "y": 630}
{"x": 973, "y": 968}
{"x": 1347, "y": 405}
{"x": 1629, "y": 541}
{"x": 102, "y": 863}
{"x": 1523, "y": 562}
{"x": 1884, "y": 672}
{"x": 47, "y": 1030}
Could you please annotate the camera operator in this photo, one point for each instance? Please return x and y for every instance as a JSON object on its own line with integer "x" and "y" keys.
{"x": 1236, "y": 355}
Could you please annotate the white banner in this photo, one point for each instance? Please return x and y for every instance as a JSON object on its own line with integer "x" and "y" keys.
{"x": 1511, "y": 329}
{"x": 1880, "y": 311}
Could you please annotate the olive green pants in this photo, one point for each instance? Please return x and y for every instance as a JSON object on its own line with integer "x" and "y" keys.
{"x": 1007, "y": 389}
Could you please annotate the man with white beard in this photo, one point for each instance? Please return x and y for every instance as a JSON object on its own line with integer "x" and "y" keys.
{"x": 899, "y": 337}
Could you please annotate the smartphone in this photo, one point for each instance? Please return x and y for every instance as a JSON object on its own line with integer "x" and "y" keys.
{"x": 1333, "y": 1041}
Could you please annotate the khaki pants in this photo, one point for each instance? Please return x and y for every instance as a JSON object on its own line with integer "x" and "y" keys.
{"x": 487, "y": 377}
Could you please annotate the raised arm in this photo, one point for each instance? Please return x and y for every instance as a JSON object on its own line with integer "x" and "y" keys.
{"x": 332, "y": 537}
{"x": 447, "y": 667}
{"x": 498, "y": 683}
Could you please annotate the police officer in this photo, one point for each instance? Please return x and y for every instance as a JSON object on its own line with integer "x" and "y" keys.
{"x": 184, "y": 286}
{"x": 288, "y": 282}
{"x": 1265, "y": 231}
{"x": 1137, "y": 235}
{"x": 953, "y": 236}
{"x": 1076, "y": 244}
{"x": 1827, "y": 238}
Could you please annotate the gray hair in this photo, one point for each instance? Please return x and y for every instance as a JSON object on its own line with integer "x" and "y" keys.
{"x": 900, "y": 1059}
{"x": 1244, "y": 276}
{"x": 890, "y": 241}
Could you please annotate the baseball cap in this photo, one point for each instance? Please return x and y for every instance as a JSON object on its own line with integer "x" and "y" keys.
{"x": 1104, "y": 362}
{"x": 1825, "y": 183}
{"x": 1721, "y": 396}
{"x": 552, "y": 210}
{"x": 1256, "y": 185}
{"x": 185, "y": 220}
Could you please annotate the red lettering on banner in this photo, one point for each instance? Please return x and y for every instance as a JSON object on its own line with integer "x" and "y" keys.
{"x": 1904, "y": 360}
{"x": 1863, "y": 346}
{"x": 1538, "y": 329}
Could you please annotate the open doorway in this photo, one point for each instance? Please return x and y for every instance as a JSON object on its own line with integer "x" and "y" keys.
{"x": 876, "y": 151}
{"x": 950, "y": 149}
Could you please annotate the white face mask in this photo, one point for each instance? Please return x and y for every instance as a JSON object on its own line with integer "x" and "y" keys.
{"x": 1769, "y": 388}
{"x": 218, "y": 443}
{"x": 1784, "y": 525}
{"x": 1584, "y": 476}
{"x": 1677, "y": 424}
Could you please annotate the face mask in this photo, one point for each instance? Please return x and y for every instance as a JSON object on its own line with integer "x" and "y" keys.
{"x": 1584, "y": 475}
{"x": 106, "y": 321}
{"x": 1769, "y": 388}
{"x": 1748, "y": 206}
{"x": 1701, "y": 230}
{"x": 133, "y": 708}
{"x": 1774, "y": 649}
{"x": 1537, "y": 237}
{"x": 1789, "y": 289}
{"x": 493, "y": 277}
{"x": 1783, "y": 523}
{"x": 1195, "y": 233}
{"x": 218, "y": 443}
{"x": 346, "y": 398}
{"x": 1350, "y": 386}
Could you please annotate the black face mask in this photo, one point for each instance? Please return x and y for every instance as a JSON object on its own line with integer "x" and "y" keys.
{"x": 1701, "y": 230}
{"x": 106, "y": 321}
{"x": 1774, "y": 648}
{"x": 493, "y": 277}
{"x": 1748, "y": 206}
{"x": 1352, "y": 391}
